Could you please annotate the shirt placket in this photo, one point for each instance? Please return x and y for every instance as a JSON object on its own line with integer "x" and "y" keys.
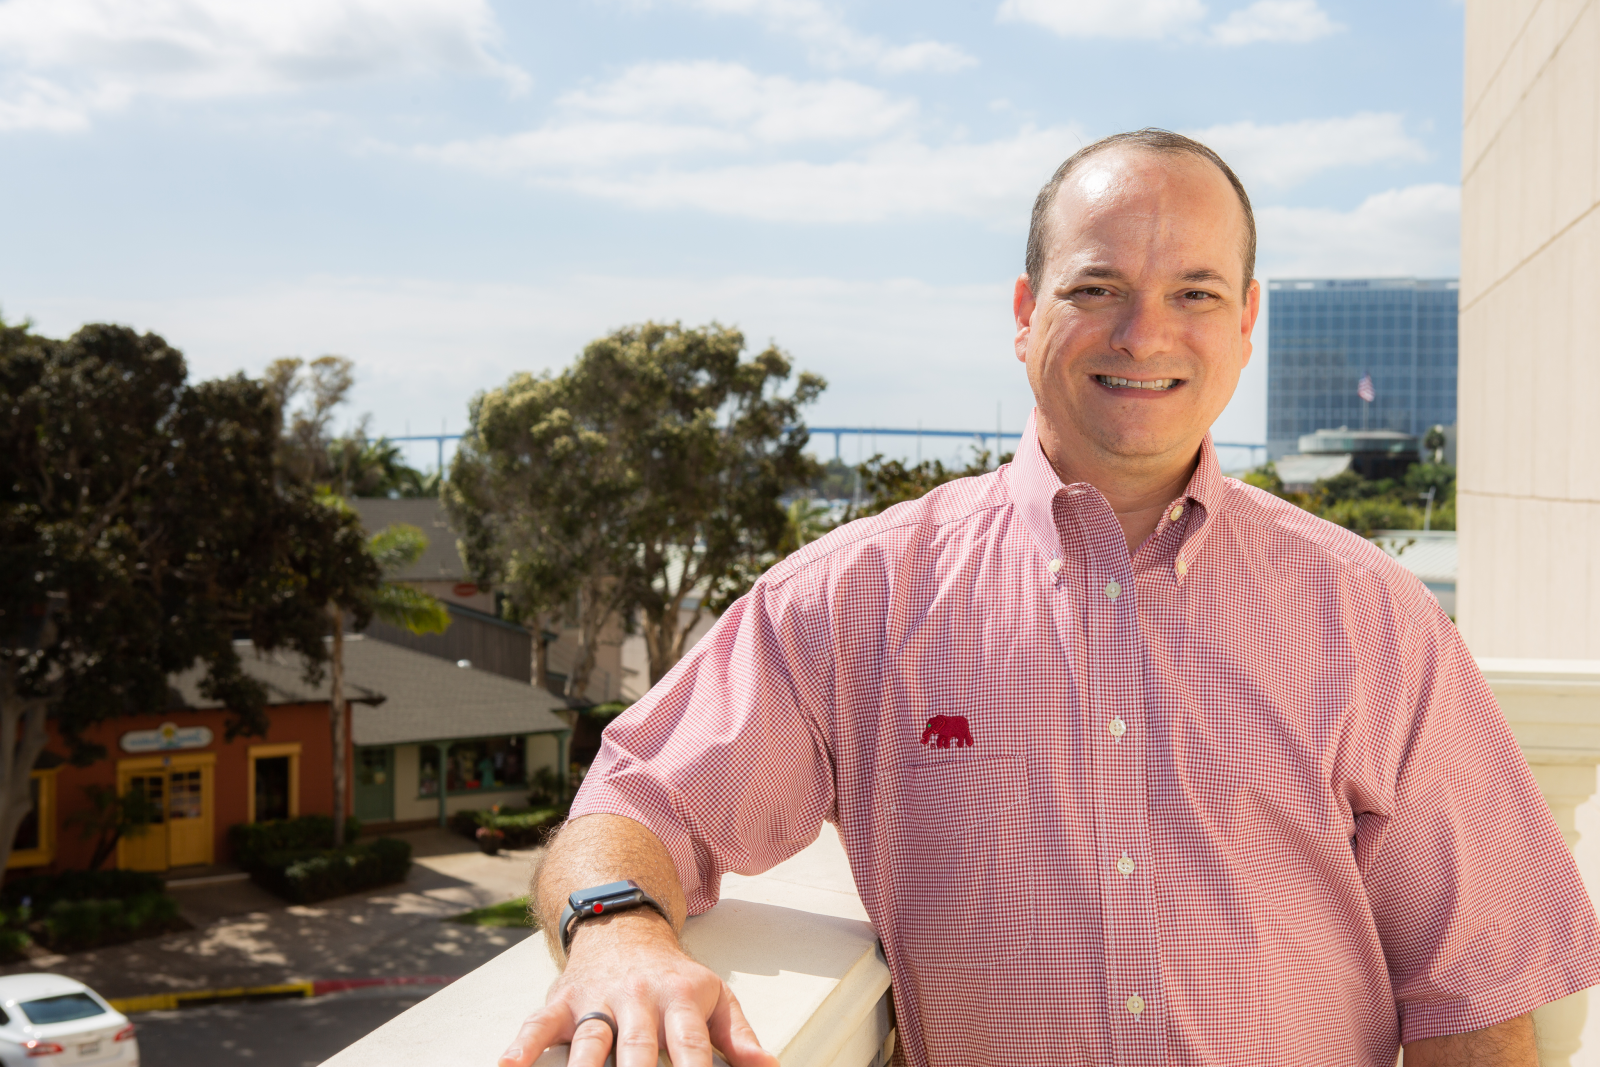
{"x": 1119, "y": 727}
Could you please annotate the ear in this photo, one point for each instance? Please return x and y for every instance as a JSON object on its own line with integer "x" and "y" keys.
{"x": 1247, "y": 321}
{"x": 1022, "y": 305}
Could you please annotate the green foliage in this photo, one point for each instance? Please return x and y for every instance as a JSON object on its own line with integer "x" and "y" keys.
{"x": 649, "y": 470}
{"x": 250, "y": 842}
{"x": 510, "y": 913}
{"x": 79, "y": 924}
{"x": 143, "y": 525}
{"x": 110, "y": 817}
{"x": 303, "y": 877}
{"x": 1369, "y": 505}
{"x": 523, "y": 827}
{"x": 887, "y": 482}
{"x": 13, "y": 941}
{"x": 44, "y": 891}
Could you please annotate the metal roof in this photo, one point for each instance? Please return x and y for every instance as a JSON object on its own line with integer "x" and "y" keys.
{"x": 400, "y": 696}
{"x": 1308, "y": 470}
{"x": 1429, "y": 554}
{"x": 440, "y": 561}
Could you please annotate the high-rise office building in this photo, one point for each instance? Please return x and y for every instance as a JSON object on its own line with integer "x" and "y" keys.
{"x": 1325, "y": 334}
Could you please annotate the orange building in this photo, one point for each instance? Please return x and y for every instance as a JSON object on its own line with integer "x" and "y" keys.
{"x": 410, "y": 713}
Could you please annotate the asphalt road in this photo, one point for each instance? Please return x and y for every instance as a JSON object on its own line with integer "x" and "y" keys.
{"x": 273, "y": 1033}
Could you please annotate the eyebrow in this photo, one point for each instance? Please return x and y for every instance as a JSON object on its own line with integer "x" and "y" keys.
{"x": 1198, "y": 274}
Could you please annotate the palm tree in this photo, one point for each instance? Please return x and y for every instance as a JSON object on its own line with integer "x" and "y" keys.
{"x": 393, "y": 548}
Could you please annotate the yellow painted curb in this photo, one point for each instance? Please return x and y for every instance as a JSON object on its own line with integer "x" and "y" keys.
{"x": 168, "y": 1001}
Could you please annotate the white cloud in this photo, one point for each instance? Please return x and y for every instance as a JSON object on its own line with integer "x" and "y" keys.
{"x": 833, "y": 43}
{"x": 1147, "y": 19}
{"x": 1264, "y": 20}
{"x": 1411, "y": 231}
{"x": 1287, "y": 154}
{"x": 769, "y": 108}
{"x": 1296, "y": 21}
{"x": 62, "y": 61}
{"x": 717, "y": 137}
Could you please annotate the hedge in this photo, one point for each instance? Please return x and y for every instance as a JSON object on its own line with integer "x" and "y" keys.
{"x": 523, "y": 827}
{"x": 42, "y": 891}
{"x": 251, "y": 841}
{"x": 302, "y": 877}
{"x": 77, "y": 924}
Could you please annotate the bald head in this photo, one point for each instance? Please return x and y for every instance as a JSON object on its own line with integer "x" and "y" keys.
{"x": 1148, "y": 140}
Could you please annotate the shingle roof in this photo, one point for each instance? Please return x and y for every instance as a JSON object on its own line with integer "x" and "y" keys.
{"x": 399, "y": 696}
{"x": 440, "y": 560}
{"x": 1429, "y": 554}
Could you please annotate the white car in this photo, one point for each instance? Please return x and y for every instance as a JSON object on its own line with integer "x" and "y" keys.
{"x": 47, "y": 1020}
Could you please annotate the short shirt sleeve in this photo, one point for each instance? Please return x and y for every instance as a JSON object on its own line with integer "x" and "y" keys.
{"x": 726, "y": 759}
{"x": 1478, "y": 903}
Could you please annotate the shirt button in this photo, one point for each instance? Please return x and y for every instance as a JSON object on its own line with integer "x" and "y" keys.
{"x": 1135, "y": 1004}
{"x": 1055, "y": 566}
{"x": 1113, "y": 590}
{"x": 1181, "y": 567}
{"x": 1125, "y": 865}
{"x": 1117, "y": 727}
{"x": 1177, "y": 513}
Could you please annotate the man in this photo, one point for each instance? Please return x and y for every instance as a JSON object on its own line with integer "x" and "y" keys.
{"x": 1134, "y": 763}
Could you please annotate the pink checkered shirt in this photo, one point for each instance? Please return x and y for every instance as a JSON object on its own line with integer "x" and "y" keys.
{"x": 1243, "y": 798}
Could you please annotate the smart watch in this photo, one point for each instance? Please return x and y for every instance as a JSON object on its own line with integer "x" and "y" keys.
{"x": 603, "y": 900}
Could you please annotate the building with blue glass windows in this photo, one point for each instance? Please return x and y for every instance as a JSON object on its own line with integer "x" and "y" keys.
{"x": 1325, "y": 334}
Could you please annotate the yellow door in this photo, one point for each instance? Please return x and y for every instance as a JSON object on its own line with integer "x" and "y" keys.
{"x": 181, "y": 787}
{"x": 189, "y": 817}
{"x": 147, "y": 850}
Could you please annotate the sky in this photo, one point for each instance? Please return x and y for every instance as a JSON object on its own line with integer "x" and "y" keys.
{"x": 453, "y": 191}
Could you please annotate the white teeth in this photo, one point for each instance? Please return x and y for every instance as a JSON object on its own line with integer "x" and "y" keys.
{"x": 1126, "y": 383}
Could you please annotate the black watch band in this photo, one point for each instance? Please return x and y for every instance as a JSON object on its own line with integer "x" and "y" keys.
{"x": 603, "y": 900}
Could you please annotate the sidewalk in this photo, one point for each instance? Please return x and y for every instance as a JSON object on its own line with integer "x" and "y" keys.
{"x": 244, "y": 936}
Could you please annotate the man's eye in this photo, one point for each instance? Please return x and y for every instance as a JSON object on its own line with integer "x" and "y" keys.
{"x": 1196, "y": 294}
{"x": 1092, "y": 290}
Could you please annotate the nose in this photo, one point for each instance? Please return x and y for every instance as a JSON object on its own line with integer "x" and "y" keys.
{"x": 1144, "y": 328}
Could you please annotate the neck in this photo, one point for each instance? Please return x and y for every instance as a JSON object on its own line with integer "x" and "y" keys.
{"x": 1138, "y": 488}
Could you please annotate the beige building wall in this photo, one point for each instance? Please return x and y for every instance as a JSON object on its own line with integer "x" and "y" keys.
{"x": 1529, "y": 495}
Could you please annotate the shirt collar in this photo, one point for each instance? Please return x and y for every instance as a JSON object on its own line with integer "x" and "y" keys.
{"x": 1033, "y": 484}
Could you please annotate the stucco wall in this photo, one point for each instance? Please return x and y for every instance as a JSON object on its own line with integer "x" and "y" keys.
{"x": 1529, "y": 496}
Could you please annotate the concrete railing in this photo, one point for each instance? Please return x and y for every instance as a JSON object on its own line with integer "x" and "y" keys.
{"x": 1553, "y": 707}
{"x": 795, "y": 945}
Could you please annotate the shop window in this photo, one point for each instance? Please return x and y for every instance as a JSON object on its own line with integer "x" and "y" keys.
{"x": 35, "y": 843}
{"x": 274, "y": 788}
{"x": 475, "y": 766}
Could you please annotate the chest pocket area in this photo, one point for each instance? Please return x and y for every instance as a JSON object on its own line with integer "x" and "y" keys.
{"x": 966, "y": 896}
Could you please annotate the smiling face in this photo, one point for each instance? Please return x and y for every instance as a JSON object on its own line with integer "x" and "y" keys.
{"x": 1135, "y": 343}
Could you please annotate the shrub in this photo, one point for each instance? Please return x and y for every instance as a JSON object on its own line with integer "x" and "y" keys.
{"x": 523, "y": 827}
{"x": 251, "y": 841}
{"x": 77, "y": 924}
{"x": 12, "y": 942}
{"x": 302, "y": 877}
{"x": 43, "y": 891}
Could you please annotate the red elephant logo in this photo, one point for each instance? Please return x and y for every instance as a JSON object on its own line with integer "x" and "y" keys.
{"x": 948, "y": 728}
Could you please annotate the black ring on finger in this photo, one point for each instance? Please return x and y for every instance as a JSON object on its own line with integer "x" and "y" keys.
{"x": 603, "y": 1017}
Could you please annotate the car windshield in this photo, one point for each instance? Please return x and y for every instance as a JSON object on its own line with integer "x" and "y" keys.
{"x": 62, "y": 1009}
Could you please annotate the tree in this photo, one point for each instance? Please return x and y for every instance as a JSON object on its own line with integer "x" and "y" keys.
{"x": 887, "y": 482}
{"x": 649, "y": 471}
{"x": 110, "y": 818}
{"x": 141, "y": 527}
{"x": 334, "y": 468}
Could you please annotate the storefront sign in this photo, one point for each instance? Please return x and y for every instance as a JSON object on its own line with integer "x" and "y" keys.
{"x": 165, "y": 738}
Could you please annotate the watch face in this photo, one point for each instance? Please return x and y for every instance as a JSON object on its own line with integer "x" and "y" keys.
{"x": 602, "y": 892}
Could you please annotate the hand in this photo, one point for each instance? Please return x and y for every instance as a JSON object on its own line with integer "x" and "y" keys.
{"x": 629, "y": 966}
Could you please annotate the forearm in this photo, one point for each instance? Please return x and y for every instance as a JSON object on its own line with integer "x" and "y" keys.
{"x": 593, "y": 850}
{"x": 1507, "y": 1044}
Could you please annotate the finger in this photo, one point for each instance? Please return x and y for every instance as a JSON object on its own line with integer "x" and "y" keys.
{"x": 688, "y": 1041}
{"x": 550, "y": 1025}
{"x": 638, "y": 1035}
{"x": 732, "y": 1033}
{"x": 591, "y": 1042}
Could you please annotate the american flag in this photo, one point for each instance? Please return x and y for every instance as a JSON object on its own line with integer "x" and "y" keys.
{"x": 1365, "y": 390}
